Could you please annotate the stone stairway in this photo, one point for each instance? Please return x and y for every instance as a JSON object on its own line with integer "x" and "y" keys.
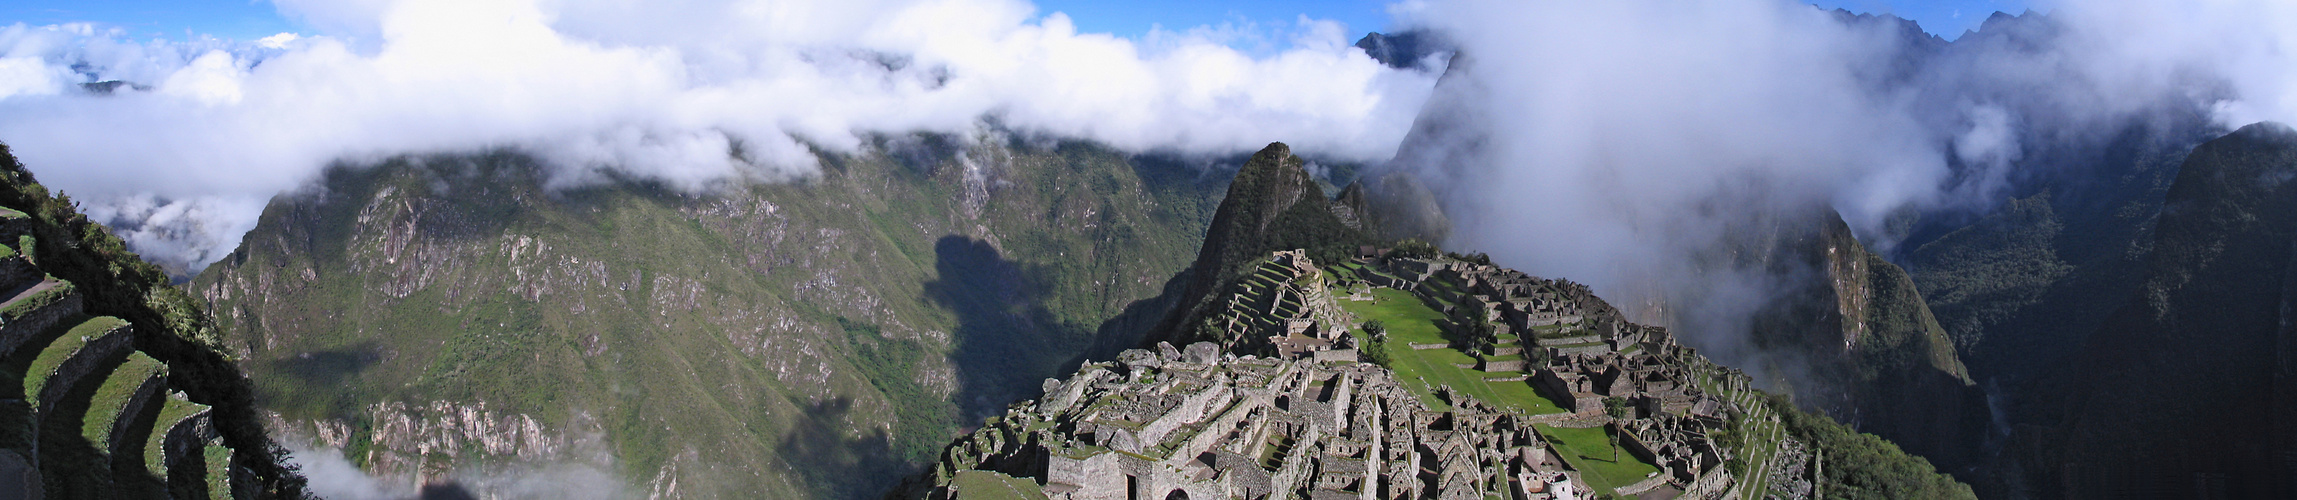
{"x": 83, "y": 414}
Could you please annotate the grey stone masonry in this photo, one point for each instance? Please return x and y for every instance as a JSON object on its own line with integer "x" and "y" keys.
{"x": 1210, "y": 420}
{"x": 29, "y": 327}
{"x": 184, "y": 450}
{"x": 89, "y": 365}
{"x": 135, "y": 424}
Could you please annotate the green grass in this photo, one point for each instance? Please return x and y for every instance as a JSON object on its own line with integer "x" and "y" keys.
{"x": 42, "y": 298}
{"x": 104, "y": 407}
{"x": 1411, "y": 321}
{"x": 175, "y": 410}
{"x": 218, "y": 472}
{"x": 1589, "y": 450}
{"x": 36, "y": 376}
{"x": 986, "y": 485}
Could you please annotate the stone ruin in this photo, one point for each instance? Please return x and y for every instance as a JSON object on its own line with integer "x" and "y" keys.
{"x": 1166, "y": 426}
{"x": 1284, "y": 308}
{"x": 1204, "y": 422}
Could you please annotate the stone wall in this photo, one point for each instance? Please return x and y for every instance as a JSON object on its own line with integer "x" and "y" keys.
{"x": 1713, "y": 484}
{"x": 89, "y": 365}
{"x": 15, "y": 332}
{"x": 1095, "y": 477}
{"x": 134, "y": 424}
{"x": 1191, "y": 409}
{"x": 185, "y": 450}
{"x": 18, "y": 479}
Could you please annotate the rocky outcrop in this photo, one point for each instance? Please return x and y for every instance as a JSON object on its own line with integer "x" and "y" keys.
{"x": 1274, "y": 204}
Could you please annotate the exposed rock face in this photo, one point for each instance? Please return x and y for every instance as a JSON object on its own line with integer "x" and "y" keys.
{"x": 1402, "y": 50}
{"x": 819, "y": 338}
{"x": 1876, "y": 357}
{"x": 1274, "y": 204}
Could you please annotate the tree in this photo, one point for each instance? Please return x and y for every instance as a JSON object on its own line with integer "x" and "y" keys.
{"x": 1415, "y": 249}
{"x": 1376, "y": 352}
{"x": 1376, "y": 330}
{"x": 1475, "y": 328}
{"x": 1617, "y": 408}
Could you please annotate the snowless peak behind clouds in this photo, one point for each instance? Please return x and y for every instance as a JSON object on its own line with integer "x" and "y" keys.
{"x": 1626, "y": 144}
{"x": 660, "y": 90}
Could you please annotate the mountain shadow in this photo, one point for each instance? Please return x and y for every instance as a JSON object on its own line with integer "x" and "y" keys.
{"x": 2186, "y": 391}
{"x": 1005, "y": 340}
{"x": 834, "y": 465}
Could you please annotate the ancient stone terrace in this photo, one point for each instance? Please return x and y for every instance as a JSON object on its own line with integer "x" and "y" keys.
{"x": 1284, "y": 308}
{"x": 83, "y": 413}
{"x": 1177, "y": 425}
{"x": 1209, "y": 422}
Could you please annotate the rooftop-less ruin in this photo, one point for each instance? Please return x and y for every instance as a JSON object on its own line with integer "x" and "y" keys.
{"x": 1504, "y": 385}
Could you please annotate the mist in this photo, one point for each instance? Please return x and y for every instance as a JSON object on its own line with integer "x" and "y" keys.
{"x": 334, "y": 477}
{"x": 1635, "y": 145}
{"x": 698, "y": 94}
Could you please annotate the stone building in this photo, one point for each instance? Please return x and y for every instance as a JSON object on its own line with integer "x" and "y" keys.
{"x": 1210, "y": 421}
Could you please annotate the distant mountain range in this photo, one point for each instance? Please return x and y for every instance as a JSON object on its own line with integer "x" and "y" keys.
{"x": 2118, "y": 327}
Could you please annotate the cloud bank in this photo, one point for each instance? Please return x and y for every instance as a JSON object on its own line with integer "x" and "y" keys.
{"x": 182, "y": 162}
{"x": 1628, "y": 143}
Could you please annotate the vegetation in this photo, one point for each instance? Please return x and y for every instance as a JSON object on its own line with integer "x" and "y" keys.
{"x": 1376, "y": 344}
{"x": 1587, "y": 451}
{"x": 170, "y": 325}
{"x": 986, "y": 485}
{"x": 827, "y": 334}
{"x": 1273, "y": 204}
{"x": 1616, "y": 408}
{"x": 1414, "y": 248}
{"x": 1407, "y": 320}
{"x": 1859, "y": 465}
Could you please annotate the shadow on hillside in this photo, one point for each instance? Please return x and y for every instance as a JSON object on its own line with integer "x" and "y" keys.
{"x": 1006, "y": 342}
{"x": 837, "y": 466}
{"x": 329, "y": 367}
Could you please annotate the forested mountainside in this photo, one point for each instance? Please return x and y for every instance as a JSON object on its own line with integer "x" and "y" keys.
{"x": 111, "y": 381}
{"x": 2191, "y": 372}
{"x": 817, "y": 338}
{"x": 1848, "y": 334}
{"x": 1406, "y": 372}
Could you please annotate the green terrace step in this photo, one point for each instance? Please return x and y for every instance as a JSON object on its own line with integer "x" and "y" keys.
{"x": 198, "y": 465}
{"x": 218, "y": 471}
{"x": 119, "y": 391}
{"x": 77, "y": 366}
{"x": 141, "y": 388}
{"x": 27, "y": 316}
{"x": 175, "y": 410}
{"x": 72, "y": 339}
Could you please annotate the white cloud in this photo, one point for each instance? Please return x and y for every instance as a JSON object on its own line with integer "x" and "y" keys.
{"x": 1627, "y": 143}
{"x": 659, "y": 89}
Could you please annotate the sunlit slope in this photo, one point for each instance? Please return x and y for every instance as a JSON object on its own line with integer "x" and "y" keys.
{"x": 810, "y": 338}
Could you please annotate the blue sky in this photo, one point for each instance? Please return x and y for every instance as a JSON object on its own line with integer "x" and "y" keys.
{"x": 251, "y": 19}
{"x": 171, "y": 19}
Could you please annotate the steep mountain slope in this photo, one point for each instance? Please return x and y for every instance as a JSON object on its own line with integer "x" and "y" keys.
{"x": 2020, "y": 287}
{"x": 437, "y": 316}
{"x": 1863, "y": 345}
{"x": 1273, "y": 204}
{"x": 111, "y": 385}
{"x": 1510, "y": 419}
{"x": 2184, "y": 391}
